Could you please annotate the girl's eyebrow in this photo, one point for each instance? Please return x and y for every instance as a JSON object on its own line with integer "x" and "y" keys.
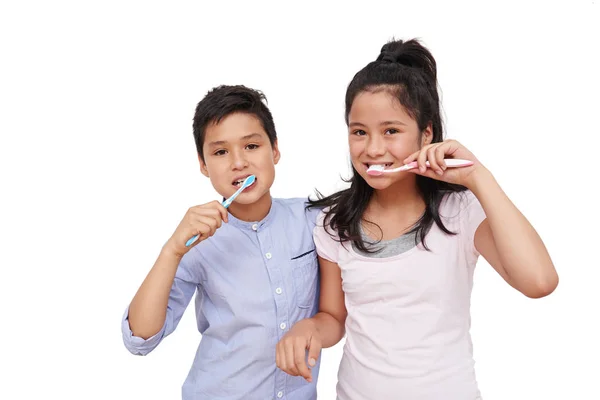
{"x": 393, "y": 122}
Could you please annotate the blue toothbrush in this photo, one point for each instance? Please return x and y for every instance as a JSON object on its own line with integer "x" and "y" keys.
{"x": 247, "y": 182}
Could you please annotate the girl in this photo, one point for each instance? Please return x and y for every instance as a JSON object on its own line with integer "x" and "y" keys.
{"x": 397, "y": 251}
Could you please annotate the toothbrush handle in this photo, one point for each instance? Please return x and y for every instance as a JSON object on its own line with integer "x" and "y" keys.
{"x": 450, "y": 163}
{"x": 192, "y": 240}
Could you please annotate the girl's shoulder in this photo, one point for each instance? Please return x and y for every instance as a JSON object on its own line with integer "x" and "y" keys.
{"x": 323, "y": 223}
{"x": 455, "y": 203}
{"x": 325, "y": 237}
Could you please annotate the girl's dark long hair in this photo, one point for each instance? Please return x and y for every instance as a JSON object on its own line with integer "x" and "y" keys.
{"x": 407, "y": 70}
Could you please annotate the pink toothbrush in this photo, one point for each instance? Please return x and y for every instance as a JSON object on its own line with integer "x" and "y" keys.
{"x": 378, "y": 170}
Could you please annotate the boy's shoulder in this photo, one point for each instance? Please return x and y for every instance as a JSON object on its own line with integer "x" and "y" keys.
{"x": 297, "y": 208}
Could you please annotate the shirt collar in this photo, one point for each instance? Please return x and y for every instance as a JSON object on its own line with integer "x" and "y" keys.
{"x": 254, "y": 225}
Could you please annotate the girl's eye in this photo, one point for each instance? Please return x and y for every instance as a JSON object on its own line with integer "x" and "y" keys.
{"x": 219, "y": 152}
{"x": 359, "y": 132}
{"x": 252, "y": 146}
{"x": 391, "y": 131}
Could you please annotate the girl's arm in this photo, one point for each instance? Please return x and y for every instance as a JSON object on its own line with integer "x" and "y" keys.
{"x": 325, "y": 329}
{"x": 509, "y": 242}
{"x": 331, "y": 318}
{"x": 505, "y": 239}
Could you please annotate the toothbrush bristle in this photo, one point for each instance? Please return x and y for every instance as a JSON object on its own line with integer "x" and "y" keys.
{"x": 249, "y": 181}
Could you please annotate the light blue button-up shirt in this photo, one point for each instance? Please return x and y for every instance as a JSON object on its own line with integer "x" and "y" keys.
{"x": 253, "y": 280}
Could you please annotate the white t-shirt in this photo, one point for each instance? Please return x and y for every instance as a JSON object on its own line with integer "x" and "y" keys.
{"x": 409, "y": 315}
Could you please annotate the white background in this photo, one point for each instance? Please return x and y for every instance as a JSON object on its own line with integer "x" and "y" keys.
{"x": 98, "y": 165}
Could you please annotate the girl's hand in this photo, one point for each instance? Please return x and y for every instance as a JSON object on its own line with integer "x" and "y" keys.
{"x": 435, "y": 153}
{"x": 292, "y": 348}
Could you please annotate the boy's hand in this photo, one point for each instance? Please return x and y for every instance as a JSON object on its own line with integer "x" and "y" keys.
{"x": 291, "y": 350}
{"x": 201, "y": 220}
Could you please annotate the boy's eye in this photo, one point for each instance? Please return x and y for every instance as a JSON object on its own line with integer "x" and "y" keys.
{"x": 252, "y": 146}
{"x": 219, "y": 152}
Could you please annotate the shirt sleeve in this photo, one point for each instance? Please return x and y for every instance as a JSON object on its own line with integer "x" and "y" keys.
{"x": 326, "y": 244}
{"x": 182, "y": 291}
{"x": 472, "y": 215}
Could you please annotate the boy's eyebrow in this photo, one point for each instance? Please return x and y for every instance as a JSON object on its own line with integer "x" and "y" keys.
{"x": 351, "y": 124}
{"x": 245, "y": 137}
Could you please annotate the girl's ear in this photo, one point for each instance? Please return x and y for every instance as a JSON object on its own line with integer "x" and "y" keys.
{"x": 427, "y": 135}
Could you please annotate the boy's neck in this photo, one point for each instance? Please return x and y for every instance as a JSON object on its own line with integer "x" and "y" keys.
{"x": 252, "y": 212}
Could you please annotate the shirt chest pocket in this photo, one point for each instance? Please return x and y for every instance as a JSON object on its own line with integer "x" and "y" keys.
{"x": 305, "y": 272}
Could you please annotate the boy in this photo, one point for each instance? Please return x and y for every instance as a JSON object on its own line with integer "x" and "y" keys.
{"x": 253, "y": 267}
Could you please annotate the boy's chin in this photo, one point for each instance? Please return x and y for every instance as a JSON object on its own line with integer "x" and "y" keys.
{"x": 246, "y": 198}
{"x": 249, "y": 198}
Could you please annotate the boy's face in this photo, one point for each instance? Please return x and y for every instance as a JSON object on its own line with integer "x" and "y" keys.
{"x": 234, "y": 149}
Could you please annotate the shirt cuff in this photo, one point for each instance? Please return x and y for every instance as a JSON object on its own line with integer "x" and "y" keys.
{"x": 137, "y": 345}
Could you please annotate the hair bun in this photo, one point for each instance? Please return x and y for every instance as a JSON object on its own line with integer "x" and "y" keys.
{"x": 387, "y": 56}
{"x": 391, "y": 52}
{"x": 409, "y": 53}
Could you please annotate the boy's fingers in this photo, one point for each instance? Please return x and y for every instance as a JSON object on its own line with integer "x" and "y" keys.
{"x": 207, "y": 222}
{"x": 222, "y": 211}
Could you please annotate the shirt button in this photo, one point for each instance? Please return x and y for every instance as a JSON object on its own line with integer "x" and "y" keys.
{"x": 278, "y": 290}
{"x": 268, "y": 255}
{"x": 254, "y": 227}
{"x": 282, "y": 326}
{"x": 280, "y": 394}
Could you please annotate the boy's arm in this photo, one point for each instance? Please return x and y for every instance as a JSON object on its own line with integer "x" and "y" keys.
{"x": 148, "y": 309}
{"x": 168, "y": 288}
{"x": 159, "y": 304}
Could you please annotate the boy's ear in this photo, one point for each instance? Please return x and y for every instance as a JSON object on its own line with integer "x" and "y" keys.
{"x": 203, "y": 168}
{"x": 427, "y": 136}
{"x": 276, "y": 153}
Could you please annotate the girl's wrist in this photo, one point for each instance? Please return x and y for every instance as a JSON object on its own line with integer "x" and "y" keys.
{"x": 479, "y": 179}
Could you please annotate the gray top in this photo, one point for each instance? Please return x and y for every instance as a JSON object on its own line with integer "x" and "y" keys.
{"x": 387, "y": 248}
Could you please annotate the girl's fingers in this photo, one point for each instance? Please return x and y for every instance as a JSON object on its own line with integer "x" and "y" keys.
{"x": 433, "y": 164}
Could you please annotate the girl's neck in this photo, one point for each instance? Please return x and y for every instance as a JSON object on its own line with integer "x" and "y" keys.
{"x": 402, "y": 196}
{"x": 394, "y": 211}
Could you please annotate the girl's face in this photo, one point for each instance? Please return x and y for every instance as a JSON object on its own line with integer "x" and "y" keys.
{"x": 382, "y": 132}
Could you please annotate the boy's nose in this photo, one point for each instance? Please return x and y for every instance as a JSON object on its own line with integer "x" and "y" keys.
{"x": 239, "y": 161}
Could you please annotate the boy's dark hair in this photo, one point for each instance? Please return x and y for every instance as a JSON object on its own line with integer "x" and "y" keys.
{"x": 224, "y": 100}
{"x": 406, "y": 70}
